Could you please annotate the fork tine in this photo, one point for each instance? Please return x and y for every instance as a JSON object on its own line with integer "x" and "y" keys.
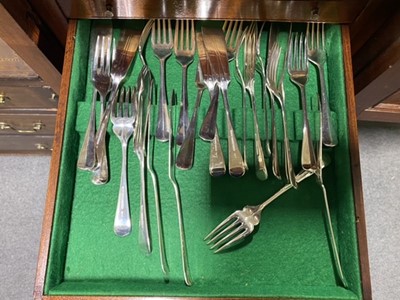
{"x": 126, "y": 109}
{"x": 220, "y": 235}
{"x": 228, "y": 238}
{"x": 220, "y": 226}
{"x": 233, "y": 241}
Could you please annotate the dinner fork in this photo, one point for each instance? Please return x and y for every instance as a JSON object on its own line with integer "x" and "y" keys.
{"x": 101, "y": 80}
{"x": 248, "y": 79}
{"x": 162, "y": 43}
{"x": 184, "y": 47}
{"x": 122, "y": 57}
{"x": 275, "y": 85}
{"x": 317, "y": 55}
{"x": 298, "y": 71}
{"x": 123, "y": 120}
{"x": 241, "y": 223}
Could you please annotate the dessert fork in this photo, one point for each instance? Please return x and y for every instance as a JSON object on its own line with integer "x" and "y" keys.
{"x": 298, "y": 71}
{"x": 123, "y": 119}
{"x": 162, "y": 43}
{"x": 317, "y": 55}
{"x": 184, "y": 47}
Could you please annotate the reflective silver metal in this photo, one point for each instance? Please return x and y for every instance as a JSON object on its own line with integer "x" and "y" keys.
{"x": 184, "y": 47}
{"x": 123, "y": 118}
{"x": 334, "y": 11}
{"x": 298, "y": 71}
{"x": 317, "y": 55}
{"x": 162, "y": 43}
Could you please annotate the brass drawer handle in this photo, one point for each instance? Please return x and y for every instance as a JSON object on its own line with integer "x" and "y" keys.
{"x": 37, "y": 126}
{"x": 4, "y": 97}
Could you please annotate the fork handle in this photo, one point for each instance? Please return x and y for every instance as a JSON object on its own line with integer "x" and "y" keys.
{"x": 122, "y": 221}
{"x": 329, "y": 134}
{"x": 144, "y": 236}
{"x": 162, "y": 130}
{"x": 183, "y": 115}
{"x": 207, "y": 130}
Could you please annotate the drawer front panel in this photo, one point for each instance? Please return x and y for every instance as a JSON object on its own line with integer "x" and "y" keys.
{"x": 26, "y": 144}
{"x": 42, "y": 124}
{"x": 27, "y": 97}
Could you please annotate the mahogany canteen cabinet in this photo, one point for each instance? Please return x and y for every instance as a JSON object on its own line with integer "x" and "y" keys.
{"x": 289, "y": 254}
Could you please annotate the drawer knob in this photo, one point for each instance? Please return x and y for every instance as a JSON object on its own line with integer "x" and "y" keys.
{"x": 37, "y": 126}
{"x": 40, "y": 146}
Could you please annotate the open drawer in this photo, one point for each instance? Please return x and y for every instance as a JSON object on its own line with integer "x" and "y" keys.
{"x": 289, "y": 255}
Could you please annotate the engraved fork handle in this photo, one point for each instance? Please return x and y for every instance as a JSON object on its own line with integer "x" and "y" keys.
{"x": 329, "y": 134}
{"x": 274, "y": 142}
{"x": 162, "y": 131}
{"x": 122, "y": 221}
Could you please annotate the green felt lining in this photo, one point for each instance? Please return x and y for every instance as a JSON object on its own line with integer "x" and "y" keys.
{"x": 289, "y": 254}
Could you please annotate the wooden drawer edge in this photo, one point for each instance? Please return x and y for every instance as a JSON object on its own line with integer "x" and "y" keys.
{"x": 355, "y": 166}
{"x": 55, "y": 163}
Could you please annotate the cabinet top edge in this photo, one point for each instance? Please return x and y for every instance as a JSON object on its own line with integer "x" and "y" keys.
{"x": 330, "y": 11}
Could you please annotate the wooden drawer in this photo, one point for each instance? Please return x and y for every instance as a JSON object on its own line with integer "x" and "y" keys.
{"x": 31, "y": 144}
{"x": 26, "y": 94}
{"x": 80, "y": 258}
{"x": 27, "y": 123}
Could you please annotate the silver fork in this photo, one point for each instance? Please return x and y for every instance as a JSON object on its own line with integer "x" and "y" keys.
{"x": 122, "y": 57}
{"x": 241, "y": 223}
{"x": 248, "y": 79}
{"x": 101, "y": 80}
{"x": 123, "y": 120}
{"x": 317, "y": 55}
{"x": 275, "y": 85}
{"x": 162, "y": 43}
{"x": 298, "y": 71}
{"x": 184, "y": 47}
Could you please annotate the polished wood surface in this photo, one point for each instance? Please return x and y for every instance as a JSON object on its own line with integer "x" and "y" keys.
{"x": 355, "y": 167}
{"x": 333, "y": 11}
{"x": 55, "y": 165}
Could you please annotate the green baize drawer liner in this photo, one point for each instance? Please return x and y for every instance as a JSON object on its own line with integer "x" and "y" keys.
{"x": 289, "y": 254}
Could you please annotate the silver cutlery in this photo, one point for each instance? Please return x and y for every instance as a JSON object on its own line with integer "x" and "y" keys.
{"x": 171, "y": 175}
{"x": 260, "y": 68}
{"x": 139, "y": 147}
{"x": 217, "y": 161}
{"x": 100, "y": 54}
{"x": 214, "y": 42}
{"x": 234, "y": 37}
{"x": 184, "y": 48}
{"x": 143, "y": 39}
{"x": 185, "y": 157}
{"x": 162, "y": 43}
{"x": 153, "y": 175}
{"x": 123, "y": 119}
{"x": 298, "y": 71}
{"x": 241, "y": 223}
{"x": 123, "y": 54}
{"x": 249, "y": 71}
{"x": 317, "y": 55}
{"x": 274, "y": 81}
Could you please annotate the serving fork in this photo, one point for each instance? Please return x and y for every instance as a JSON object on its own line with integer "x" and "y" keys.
{"x": 162, "y": 44}
{"x": 317, "y": 55}
{"x": 184, "y": 47}
{"x": 123, "y": 118}
{"x": 101, "y": 80}
{"x": 298, "y": 71}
